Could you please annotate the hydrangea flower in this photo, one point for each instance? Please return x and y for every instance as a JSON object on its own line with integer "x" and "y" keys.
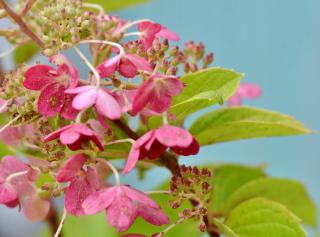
{"x": 123, "y": 205}
{"x": 52, "y": 82}
{"x": 150, "y": 31}
{"x": 20, "y": 189}
{"x": 82, "y": 183}
{"x": 157, "y": 93}
{"x": 127, "y": 65}
{"x": 74, "y": 136}
{"x": 245, "y": 91}
{"x": 102, "y": 99}
{"x": 155, "y": 142}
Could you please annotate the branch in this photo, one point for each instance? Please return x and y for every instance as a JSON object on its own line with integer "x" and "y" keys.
{"x": 27, "y": 6}
{"x": 171, "y": 162}
{"x": 24, "y": 27}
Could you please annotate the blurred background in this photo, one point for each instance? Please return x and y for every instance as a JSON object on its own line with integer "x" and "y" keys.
{"x": 277, "y": 45}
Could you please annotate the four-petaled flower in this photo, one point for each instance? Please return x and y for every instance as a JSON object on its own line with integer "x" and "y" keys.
{"x": 123, "y": 205}
{"x": 101, "y": 99}
{"x": 127, "y": 65}
{"x": 17, "y": 188}
{"x": 245, "y": 91}
{"x": 82, "y": 183}
{"x": 150, "y": 31}
{"x": 155, "y": 142}
{"x": 52, "y": 82}
{"x": 74, "y": 136}
{"x": 156, "y": 93}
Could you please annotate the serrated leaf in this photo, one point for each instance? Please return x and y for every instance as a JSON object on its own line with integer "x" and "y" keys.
{"x": 227, "y": 179}
{"x": 203, "y": 89}
{"x": 290, "y": 193}
{"x": 112, "y": 5}
{"x": 25, "y": 52}
{"x": 230, "y": 124}
{"x": 260, "y": 217}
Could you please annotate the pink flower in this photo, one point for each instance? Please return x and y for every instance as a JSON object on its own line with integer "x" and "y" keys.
{"x": 20, "y": 189}
{"x": 82, "y": 183}
{"x": 52, "y": 82}
{"x": 74, "y": 136}
{"x": 123, "y": 205}
{"x": 155, "y": 142}
{"x": 13, "y": 136}
{"x": 3, "y": 105}
{"x": 151, "y": 30}
{"x": 102, "y": 99}
{"x": 127, "y": 65}
{"x": 157, "y": 93}
{"x": 245, "y": 91}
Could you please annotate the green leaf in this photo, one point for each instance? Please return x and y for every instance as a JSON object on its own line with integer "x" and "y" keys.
{"x": 230, "y": 124}
{"x": 114, "y": 5}
{"x": 203, "y": 89}
{"x": 290, "y": 193}
{"x": 4, "y": 150}
{"x": 260, "y": 217}
{"x": 227, "y": 179}
{"x": 25, "y": 52}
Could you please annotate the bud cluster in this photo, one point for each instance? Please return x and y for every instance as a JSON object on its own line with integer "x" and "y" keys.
{"x": 193, "y": 184}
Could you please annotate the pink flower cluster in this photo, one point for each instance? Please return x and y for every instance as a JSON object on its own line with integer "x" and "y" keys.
{"x": 88, "y": 109}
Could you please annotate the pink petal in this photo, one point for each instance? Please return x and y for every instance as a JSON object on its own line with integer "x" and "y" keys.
{"x": 51, "y": 100}
{"x": 154, "y": 216}
{"x": 158, "y": 102}
{"x": 234, "y": 100}
{"x": 37, "y": 77}
{"x": 65, "y": 67}
{"x": 35, "y": 208}
{"x": 68, "y": 112}
{"x": 69, "y": 136}
{"x": 82, "y": 129}
{"x": 139, "y": 62}
{"x": 56, "y": 134}
{"x": 172, "y": 86}
{"x": 107, "y": 105}
{"x": 93, "y": 177}
{"x": 193, "y": 149}
{"x": 7, "y": 193}
{"x": 132, "y": 160}
{"x": 3, "y": 105}
{"x": 139, "y": 196}
{"x": 127, "y": 68}
{"x": 120, "y": 213}
{"x": 143, "y": 26}
{"x": 85, "y": 100}
{"x": 173, "y": 136}
{"x": 142, "y": 96}
{"x": 11, "y": 164}
{"x": 79, "y": 89}
{"x": 168, "y": 34}
{"x": 249, "y": 91}
{"x": 71, "y": 168}
{"x": 108, "y": 67}
{"x": 78, "y": 190}
{"x": 98, "y": 201}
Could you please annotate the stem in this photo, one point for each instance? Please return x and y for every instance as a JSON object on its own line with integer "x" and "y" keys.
{"x": 24, "y": 27}
{"x": 15, "y": 175}
{"x": 157, "y": 192}
{"x": 86, "y": 61}
{"x": 95, "y": 6}
{"x": 114, "y": 170}
{"x": 121, "y": 141}
{"x": 133, "y": 34}
{"x": 6, "y": 53}
{"x": 170, "y": 227}
{"x": 63, "y": 218}
{"x": 27, "y": 6}
{"x": 165, "y": 118}
{"x": 9, "y": 124}
{"x": 130, "y": 24}
{"x": 122, "y": 52}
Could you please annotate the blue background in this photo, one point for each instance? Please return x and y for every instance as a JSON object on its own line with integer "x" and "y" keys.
{"x": 277, "y": 45}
